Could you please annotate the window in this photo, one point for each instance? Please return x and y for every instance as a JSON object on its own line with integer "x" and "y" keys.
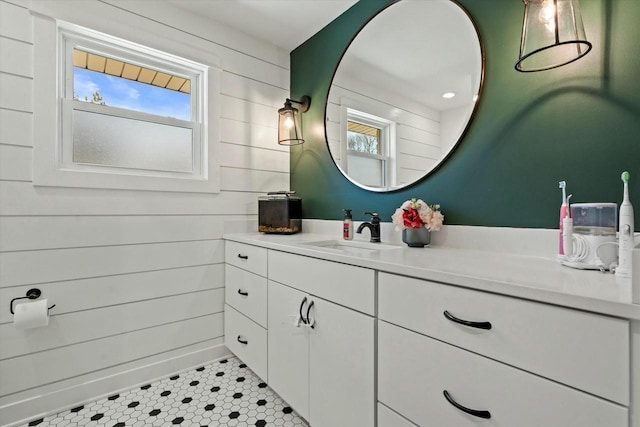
{"x": 363, "y": 138}
{"x": 369, "y": 147}
{"x": 129, "y": 116}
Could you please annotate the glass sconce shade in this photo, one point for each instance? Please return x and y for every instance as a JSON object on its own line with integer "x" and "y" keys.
{"x": 289, "y": 128}
{"x": 552, "y": 35}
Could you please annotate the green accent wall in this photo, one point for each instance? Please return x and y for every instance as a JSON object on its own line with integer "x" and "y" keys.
{"x": 579, "y": 123}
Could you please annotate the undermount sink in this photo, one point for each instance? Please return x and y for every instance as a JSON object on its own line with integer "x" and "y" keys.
{"x": 351, "y": 247}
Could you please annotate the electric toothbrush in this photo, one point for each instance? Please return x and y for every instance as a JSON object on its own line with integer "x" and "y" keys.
{"x": 625, "y": 234}
{"x": 563, "y": 215}
{"x": 567, "y": 231}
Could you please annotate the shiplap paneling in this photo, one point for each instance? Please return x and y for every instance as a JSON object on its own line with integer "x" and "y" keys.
{"x": 136, "y": 276}
{"x": 16, "y": 57}
{"x": 176, "y": 36}
{"x": 406, "y": 176}
{"x": 418, "y": 135}
{"x": 253, "y": 180}
{"x": 252, "y": 90}
{"x": 248, "y": 112}
{"x": 45, "y": 367}
{"x": 387, "y": 105}
{"x": 97, "y": 292}
{"x": 333, "y": 131}
{"x": 15, "y": 163}
{"x": 19, "y": 268}
{"x": 15, "y": 22}
{"x": 16, "y": 128}
{"x": 418, "y": 149}
{"x": 19, "y": 198}
{"x": 414, "y": 162}
{"x": 19, "y": 233}
{"x": 77, "y": 327}
{"x": 240, "y": 156}
{"x": 17, "y": 92}
{"x": 219, "y": 34}
{"x": 243, "y": 133}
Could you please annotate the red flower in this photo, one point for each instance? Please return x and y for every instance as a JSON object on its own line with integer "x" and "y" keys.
{"x": 411, "y": 218}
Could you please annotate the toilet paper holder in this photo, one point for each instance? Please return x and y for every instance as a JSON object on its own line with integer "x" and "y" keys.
{"x": 33, "y": 293}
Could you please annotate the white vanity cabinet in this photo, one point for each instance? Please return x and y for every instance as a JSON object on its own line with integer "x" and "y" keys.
{"x": 393, "y": 332}
{"x": 521, "y": 363}
{"x": 246, "y": 304}
{"x": 321, "y": 335}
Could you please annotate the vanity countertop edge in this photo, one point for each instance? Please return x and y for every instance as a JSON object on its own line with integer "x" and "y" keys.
{"x": 527, "y": 277}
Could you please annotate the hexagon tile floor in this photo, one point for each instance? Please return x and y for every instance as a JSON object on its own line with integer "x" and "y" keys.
{"x": 224, "y": 394}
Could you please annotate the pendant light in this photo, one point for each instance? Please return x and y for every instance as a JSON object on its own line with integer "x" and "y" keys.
{"x": 289, "y": 128}
{"x": 552, "y": 35}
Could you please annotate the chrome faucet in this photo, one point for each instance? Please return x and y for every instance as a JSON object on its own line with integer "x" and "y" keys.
{"x": 373, "y": 226}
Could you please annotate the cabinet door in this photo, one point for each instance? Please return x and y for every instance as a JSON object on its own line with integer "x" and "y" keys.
{"x": 341, "y": 367}
{"x": 288, "y": 348}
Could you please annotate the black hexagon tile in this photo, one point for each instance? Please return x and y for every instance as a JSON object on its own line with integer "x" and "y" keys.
{"x": 224, "y": 394}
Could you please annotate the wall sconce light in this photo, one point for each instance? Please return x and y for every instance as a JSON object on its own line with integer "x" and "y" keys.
{"x": 289, "y": 129}
{"x": 552, "y": 35}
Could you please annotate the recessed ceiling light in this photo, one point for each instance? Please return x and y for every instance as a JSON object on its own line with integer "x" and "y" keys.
{"x": 448, "y": 95}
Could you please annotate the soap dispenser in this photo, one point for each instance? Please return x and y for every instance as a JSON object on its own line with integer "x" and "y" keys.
{"x": 347, "y": 225}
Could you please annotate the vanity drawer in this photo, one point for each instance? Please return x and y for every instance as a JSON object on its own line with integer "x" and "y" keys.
{"x": 247, "y": 340}
{"x": 247, "y": 257}
{"x": 351, "y": 286}
{"x": 247, "y": 293}
{"x": 584, "y": 350}
{"x": 414, "y": 371}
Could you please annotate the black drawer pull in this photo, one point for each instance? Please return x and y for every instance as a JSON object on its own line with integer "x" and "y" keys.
{"x": 241, "y": 341}
{"x": 243, "y": 256}
{"x": 304, "y": 300}
{"x": 474, "y": 412}
{"x": 479, "y": 325}
{"x": 243, "y": 293}
{"x": 308, "y": 311}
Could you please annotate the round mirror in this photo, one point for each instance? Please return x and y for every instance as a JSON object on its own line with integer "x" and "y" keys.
{"x": 404, "y": 93}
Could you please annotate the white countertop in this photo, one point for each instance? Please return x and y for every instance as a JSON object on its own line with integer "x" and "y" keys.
{"x": 524, "y": 276}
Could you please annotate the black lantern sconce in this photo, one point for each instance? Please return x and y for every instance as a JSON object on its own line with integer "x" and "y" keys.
{"x": 289, "y": 127}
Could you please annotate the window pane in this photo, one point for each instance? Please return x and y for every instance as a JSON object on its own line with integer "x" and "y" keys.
{"x": 363, "y": 138}
{"x": 104, "y": 89}
{"x": 114, "y": 141}
{"x": 366, "y": 171}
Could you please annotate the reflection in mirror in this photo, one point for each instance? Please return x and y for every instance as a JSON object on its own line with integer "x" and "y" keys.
{"x": 404, "y": 93}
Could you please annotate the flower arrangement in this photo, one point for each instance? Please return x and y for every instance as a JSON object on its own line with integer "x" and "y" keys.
{"x": 415, "y": 213}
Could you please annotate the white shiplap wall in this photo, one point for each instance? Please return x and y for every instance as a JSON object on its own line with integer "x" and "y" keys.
{"x": 137, "y": 277}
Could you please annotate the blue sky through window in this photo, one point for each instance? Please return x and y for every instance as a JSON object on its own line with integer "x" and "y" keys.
{"x": 131, "y": 95}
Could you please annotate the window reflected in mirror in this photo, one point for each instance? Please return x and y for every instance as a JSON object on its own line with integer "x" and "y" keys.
{"x": 369, "y": 156}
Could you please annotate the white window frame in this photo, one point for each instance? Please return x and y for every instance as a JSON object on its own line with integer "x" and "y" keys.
{"x": 54, "y": 42}
{"x": 387, "y": 141}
